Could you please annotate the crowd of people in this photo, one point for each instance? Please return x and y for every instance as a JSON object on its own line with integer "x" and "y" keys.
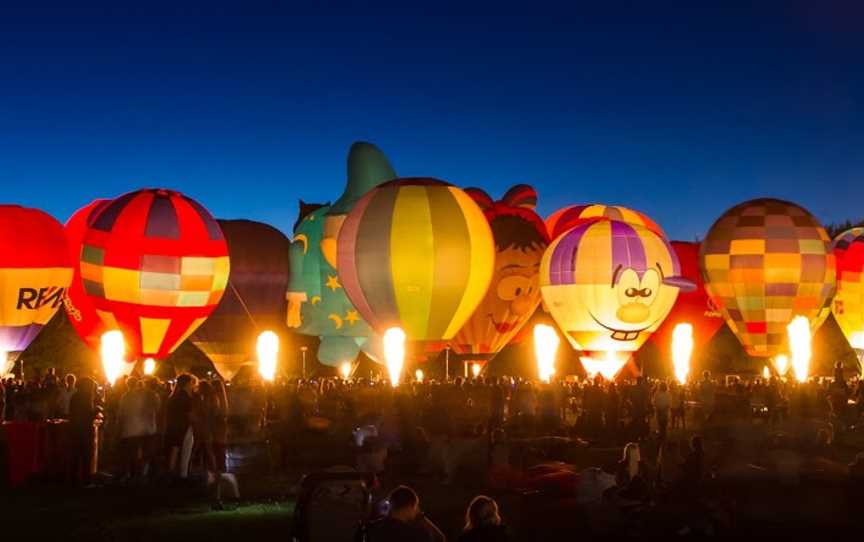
{"x": 500, "y": 432}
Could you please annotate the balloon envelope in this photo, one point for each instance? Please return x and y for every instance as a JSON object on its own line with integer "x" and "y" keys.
{"x": 416, "y": 253}
{"x": 155, "y": 265}
{"x": 764, "y": 262}
{"x": 848, "y": 309}
{"x": 79, "y": 308}
{"x": 565, "y": 218}
{"x": 254, "y": 300}
{"x": 35, "y": 270}
{"x": 694, "y": 308}
{"x": 317, "y": 302}
{"x": 609, "y": 284}
{"x": 514, "y": 294}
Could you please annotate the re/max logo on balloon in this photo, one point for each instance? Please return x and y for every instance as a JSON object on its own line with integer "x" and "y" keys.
{"x": 36, "y": 298}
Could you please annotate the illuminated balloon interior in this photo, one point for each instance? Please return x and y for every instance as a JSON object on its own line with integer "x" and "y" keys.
{"x": 608, "y": 368}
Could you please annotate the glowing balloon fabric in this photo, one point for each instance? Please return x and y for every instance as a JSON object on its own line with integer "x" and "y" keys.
{"x": 155, "y": 265}
{"x": 254, "y": 299}
{"x": 764, "y": 262}
{"x": 694, "y": 308}
{"x": 520, "y": 239}
{"x": 564, "y": 219}
{"x": 848, "y": 307}
{"x": 79, "y": 308}
{"x": 609, "y": 284}
{"x": 317, "y": 303}
{"x": 416, "y": 253}
{"x": 35, "y": 270}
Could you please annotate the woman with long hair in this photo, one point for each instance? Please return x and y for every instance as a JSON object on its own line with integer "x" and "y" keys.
{"x": 483, "y": 522}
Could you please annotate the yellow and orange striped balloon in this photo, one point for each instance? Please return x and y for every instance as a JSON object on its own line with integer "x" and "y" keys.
{"x": 416, "y": 253}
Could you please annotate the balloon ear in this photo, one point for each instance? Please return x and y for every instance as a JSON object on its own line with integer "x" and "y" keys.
{"x": 521, "y": 195}
{"x": 480, "y": 197}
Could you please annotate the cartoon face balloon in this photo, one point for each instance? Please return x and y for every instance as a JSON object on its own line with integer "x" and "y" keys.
{"x": 609, "y": 284}
{"x": 416, "y": 253}
{"x": 766, "y": 261}
{"x": 35, "y": 270}
{"x": 520, "y": 240}
{"x": 317, "y": 303}
{"x": 155, "y": 265}
{"x": 848, "y": 305}
{"x": 564, "y": 219}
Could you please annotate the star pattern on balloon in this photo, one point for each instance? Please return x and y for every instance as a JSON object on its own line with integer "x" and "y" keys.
{"x": 352, "y": 317}
{"x": 333, "y": 282}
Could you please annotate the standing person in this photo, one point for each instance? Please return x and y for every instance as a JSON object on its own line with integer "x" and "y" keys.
{"x": 483, "y": 522}
{"x": 612, "y": 411}
{"x": 179, "y": 437}
{"x": 65, "y": 395}
{"x": 84, "y": 415}
{"x": 661, "y": 410}
{"x": 2, "y": 401}
{"x": 707, "y": 395}
{"x": 404, "y": 522}
{"x": 678, "y": 394}
{"x": 138, "y": 409}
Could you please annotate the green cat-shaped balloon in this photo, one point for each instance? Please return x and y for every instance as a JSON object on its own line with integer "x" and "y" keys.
{"x": 317, "y": 304}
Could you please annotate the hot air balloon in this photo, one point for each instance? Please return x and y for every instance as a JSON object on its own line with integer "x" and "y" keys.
{"x": 563, "y": 219}
{"x": 514, "y": 294}
{"x": 694, "y": 308}
{"x": 848, "y": 306}
{"x": 764, "y": 262}
{"x": 155, "y": 265}
{"x": 317, "y": 304}
{"x": 254, "y": 300}
{"x": 79, "y": 308}
{"x": 35, "y": 271}
{"x": 416, "y": 253}
{"x": 609, "y": 285}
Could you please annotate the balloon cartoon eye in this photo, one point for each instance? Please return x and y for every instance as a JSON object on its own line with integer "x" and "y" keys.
{"x": 628, "y": 287}
{"x": 514, "y": 286}
{"x": 648, "y": 286}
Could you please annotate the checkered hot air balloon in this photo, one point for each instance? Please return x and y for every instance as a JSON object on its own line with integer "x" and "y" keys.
{"x": 520, "y": 239}
{"x": 848, "y": 306}
{"x": 35, "y": 270}
{"x": 563, "y": 219}
{"x": 764, "y": 262}
{"x": 416, "y": 253}
{"x": 79, "y": 308}
{"x": 155, "y": 265}
{"x": 609, "y": 284}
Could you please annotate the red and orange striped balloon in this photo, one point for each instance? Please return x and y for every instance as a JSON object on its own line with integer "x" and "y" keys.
{"x": 563, "y": 219}
{"x": 416, "y": 253}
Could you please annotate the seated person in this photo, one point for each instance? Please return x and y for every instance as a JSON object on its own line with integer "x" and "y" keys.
{"x": 404, "y": 521}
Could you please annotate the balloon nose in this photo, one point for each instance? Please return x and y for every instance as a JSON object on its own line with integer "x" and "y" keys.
{"x": 633, "y": 313}
{"x": 520, "y": 305}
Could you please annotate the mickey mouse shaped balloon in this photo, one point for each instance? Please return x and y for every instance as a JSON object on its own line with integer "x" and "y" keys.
{"x": 514, "y": 294}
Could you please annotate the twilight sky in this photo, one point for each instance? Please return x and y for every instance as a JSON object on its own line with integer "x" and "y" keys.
{"x": 680, "y": 112}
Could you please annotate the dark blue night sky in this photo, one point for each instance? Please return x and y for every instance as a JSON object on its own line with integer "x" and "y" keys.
{"x": 679, "y": 112}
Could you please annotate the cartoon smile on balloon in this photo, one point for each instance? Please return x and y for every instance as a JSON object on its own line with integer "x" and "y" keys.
{"x": 520, "y": 239}
{"x": 609, "y": 284}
